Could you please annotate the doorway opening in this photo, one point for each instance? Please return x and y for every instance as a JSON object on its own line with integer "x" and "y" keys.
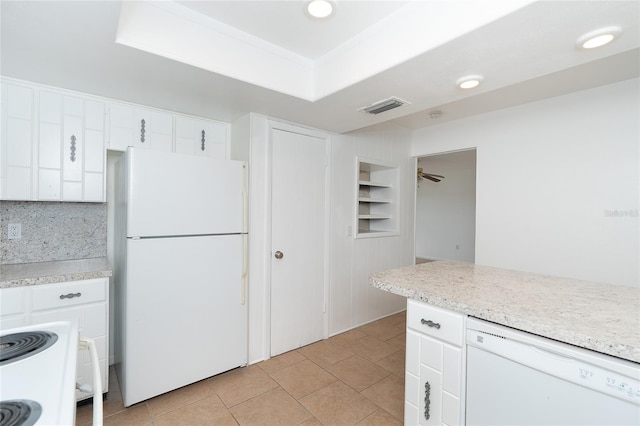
{"x": 446, "y": 207}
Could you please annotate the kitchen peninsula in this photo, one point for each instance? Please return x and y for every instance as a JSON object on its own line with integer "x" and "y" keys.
{"x": 523, "y": 355}
{"x": 601, "y": 317}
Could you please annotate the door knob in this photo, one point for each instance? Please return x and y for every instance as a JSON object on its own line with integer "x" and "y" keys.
{"x": 279, "y": 254}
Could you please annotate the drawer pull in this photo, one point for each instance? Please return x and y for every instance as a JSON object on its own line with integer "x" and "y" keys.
{"x": 70, "y": 296}
{"x": 427, "y": 400}
{"x": 430, "y": 323}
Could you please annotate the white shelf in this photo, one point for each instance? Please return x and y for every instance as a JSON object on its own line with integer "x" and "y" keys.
{"x": 376, "y": 199}
{"x": 376, "y": 184}
{"x": 367, "y": 233}
{"x": 373, "y": 216}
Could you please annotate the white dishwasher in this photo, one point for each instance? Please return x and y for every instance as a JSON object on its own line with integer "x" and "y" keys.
{"x": 517, "y": 378}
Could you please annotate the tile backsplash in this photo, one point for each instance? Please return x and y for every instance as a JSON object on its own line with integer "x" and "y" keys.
{"x": 53, "y": 231}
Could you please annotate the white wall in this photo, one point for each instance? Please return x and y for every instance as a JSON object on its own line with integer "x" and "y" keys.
{"x": 446, "y": 210}
{"x": 352, "y": 300}
{"x": 557, "y": 183}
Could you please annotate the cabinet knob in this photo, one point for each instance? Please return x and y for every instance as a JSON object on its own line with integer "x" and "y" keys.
{"x": 278, "y": 255}
{"x": 430, "y": 323}
{"x": 70, "y": 295}
{"x": 72, "y": 153}
{"x": 202, "y": 140}
{"x": 142, "y": 130}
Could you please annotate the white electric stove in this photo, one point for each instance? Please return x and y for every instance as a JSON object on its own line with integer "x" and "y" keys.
{"x": 37, "y": 374}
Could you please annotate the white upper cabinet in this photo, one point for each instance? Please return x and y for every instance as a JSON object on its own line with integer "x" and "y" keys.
{"x": 70, "y": 148}
{"x": 53, "y": 141}
{"x": 159, "y": 130}
{"x": 16, "y": 150}
{"x": 201, "y": 137}
{"x": 139, "y": 127}
{"x": 52, "y": 146}
{"x": 153, "y": 129}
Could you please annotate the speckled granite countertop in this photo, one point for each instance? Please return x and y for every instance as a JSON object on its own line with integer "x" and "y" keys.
{"x": 24, "y": 274}
{"x": 601, "y": 317}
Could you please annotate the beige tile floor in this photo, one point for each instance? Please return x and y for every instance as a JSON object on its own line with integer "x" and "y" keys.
{"x": 354, "y": 378}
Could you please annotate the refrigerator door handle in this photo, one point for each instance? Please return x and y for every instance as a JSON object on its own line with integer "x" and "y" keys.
{"x": 245, "y": 199}
{"x": 245, "y": 261}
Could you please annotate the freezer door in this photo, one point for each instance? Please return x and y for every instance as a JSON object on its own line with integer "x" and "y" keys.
{"x": 175, "y": 194}
{"x": 184, "y": 317}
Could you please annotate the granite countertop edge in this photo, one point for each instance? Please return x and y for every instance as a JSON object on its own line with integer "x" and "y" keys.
{"x": 561, "y": 332}
{"x": 39, "y": 273}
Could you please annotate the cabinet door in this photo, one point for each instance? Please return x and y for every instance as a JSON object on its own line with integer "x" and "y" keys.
{"x": 16, "y": 147}
{"x": 72, "y": 149}
{"x": 153, "y": 130}
{"x": 412, "y": 379}
{"x": 212, "y": 139}
{"x": 434, "y": 377}
{"x": 430, "y": 396}
{"x": 49, "y": 146}
{"x": 121, "y": 126}
{"x": 12, "y": 308}
{"x": 186, "y": 135}
{"x": 201, "y": 137}
{"x": 94, "y": 149}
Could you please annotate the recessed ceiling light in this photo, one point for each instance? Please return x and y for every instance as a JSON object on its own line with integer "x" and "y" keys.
{"x": 320, "y": 8}
{"x": 469, "y": 82}
{"x": 598, "y": 38}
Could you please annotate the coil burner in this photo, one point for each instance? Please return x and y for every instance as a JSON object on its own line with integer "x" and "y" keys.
{"x": 19, "y": 412}
{"x": 16, "y": 346}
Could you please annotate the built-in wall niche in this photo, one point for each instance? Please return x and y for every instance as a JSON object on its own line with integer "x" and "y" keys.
{"x": 377, "y": 199}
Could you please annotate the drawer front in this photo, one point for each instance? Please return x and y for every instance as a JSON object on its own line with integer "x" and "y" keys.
{"x": 439, "y": 323}
{"x": 12, "y": 301}
{"x": 55, "y": 296}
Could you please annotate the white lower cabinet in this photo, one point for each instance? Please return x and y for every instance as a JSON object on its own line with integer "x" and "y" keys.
{"x": 13, "y": 307}
{"x": 434, "y": 386}
{"x": 84, "y": 302}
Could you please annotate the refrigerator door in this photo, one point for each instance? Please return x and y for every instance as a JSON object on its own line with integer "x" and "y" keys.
{"x": 184, "y": 317}
{"x": 172, "y": 194}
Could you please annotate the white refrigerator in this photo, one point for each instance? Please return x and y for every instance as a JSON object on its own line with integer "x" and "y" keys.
{"x": 180, "y": 270}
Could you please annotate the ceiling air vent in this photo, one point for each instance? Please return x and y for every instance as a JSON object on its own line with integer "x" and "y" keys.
{"x": 384, "y": 105}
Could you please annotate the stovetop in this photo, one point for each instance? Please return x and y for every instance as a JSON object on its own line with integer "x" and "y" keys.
{"x": 38, "y": 371}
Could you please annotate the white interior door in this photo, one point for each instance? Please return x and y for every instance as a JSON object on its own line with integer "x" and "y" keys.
{"x": 298, "y": 240}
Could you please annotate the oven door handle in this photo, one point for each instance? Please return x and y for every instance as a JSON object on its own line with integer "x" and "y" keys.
{"x": 90, "y": 344}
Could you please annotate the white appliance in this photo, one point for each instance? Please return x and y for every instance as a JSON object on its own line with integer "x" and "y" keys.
{"x": 38, "y": 372}
{"x": 180, "y": 270}
{"x": 517, "y": 378}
